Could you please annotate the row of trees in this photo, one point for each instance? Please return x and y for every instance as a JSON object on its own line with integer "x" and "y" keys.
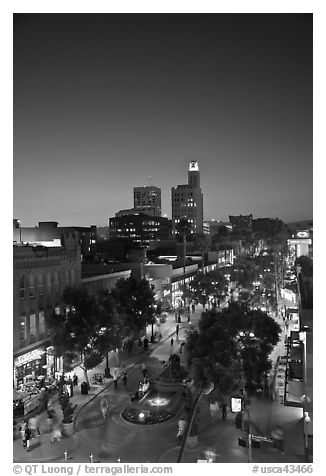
{"x": 231, "y": 349}
{"x": 212, "y": 285}
{"x": 91, "y": 327}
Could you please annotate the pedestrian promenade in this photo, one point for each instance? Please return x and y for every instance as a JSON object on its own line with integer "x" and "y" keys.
{"x": 41, "y": 448}
{"x": 219, "y": 437}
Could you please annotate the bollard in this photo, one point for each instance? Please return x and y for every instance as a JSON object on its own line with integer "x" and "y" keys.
{"x": 91, "y": 457}
{"x": 66, "y": 455}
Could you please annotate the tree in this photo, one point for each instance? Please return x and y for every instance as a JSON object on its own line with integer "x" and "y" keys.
{"x": 231, "y": 348}
{"x": 212, "y": 284}
{"x": 306, "y": 265}
{"x": 73, "y": 333}
{"x": 135, "y": 305}
{"x": 244, "y": 272}
{"x": 110, "y": 334}
{"x": 201, "y": 243}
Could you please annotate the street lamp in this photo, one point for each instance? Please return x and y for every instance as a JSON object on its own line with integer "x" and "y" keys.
{"x": 238, "y": 407}
{"x": 204, "y": 391}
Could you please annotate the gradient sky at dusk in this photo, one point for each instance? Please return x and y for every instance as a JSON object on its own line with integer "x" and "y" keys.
{"x": 102, "y": 102}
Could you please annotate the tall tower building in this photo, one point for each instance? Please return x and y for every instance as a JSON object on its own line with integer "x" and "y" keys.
{"x": 148, "y": 200}
{"x": 187, "y": 201}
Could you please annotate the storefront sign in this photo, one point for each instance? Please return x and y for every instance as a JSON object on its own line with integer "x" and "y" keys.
{"x": 303, "y": 241}
{"x": 303, "y": 234}
{"x": 236, "y": 404}
{"x": 33, "y": 355}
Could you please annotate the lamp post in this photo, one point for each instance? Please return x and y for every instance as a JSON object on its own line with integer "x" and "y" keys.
{"x": 238, "y": 407}
{"x": 204, "y": 391}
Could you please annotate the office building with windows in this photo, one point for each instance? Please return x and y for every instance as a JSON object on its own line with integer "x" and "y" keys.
{"x": 148, "y": 200}
{"x": 187, "y": 201}
{"x": 140, "y": 228}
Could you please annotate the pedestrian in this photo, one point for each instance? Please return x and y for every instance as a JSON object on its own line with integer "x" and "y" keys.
{"x": 213, "y": 407}
{"x": 224, "y": 409}
{"x": 75, "y": 380}
{"x": 34, "y": 427}
{"x": 176, "y": 317}
{"x": 182, "y": 424}
{"x": 27, "y": 437}
{"x": 177, "y": 330}
{"x": 172, "y": 342}
{"x": 193, "y": 308}
{"x": 104, "y": 407}
{"x": 56, "y": 433}
{"x": 22, "y": 429}
{"x": 144, "y": 369}
{"x": 125, "y": 379}
{"x": 188, "y": 318}
{"x": 115, "y": 382}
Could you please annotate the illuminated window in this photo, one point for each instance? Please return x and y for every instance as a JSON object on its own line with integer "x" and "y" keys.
{"x": 22, "y": 286}
{"x": 41, "y": 323}
{"x": 31, "y": 286}
{"x": 22, "y": 330}
{"x": 32, "y": 326}
{"x": 41, "y": 284}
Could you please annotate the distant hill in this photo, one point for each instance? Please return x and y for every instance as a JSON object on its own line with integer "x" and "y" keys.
{"x": 301, "y": 225}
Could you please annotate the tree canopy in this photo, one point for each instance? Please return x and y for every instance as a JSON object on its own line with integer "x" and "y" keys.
{"x": 74, "y": 332}
{"x": 231, "y": 348}
{"x": 205, "y": 285}
{"x": 135, "y": 305}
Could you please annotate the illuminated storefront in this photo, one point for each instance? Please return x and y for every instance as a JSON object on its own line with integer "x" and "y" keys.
{"x": 34, "y": 364}
{"x": 30, "y": 366}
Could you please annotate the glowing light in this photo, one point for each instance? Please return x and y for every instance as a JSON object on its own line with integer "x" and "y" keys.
{"x": 193, "y": 166}
{"x": 158, "y": 401}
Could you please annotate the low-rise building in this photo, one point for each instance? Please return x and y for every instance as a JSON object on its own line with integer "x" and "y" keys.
{"x": 49, "y": 230}
{"x": 41, "y": 271}
{"x": 97, "y": 278}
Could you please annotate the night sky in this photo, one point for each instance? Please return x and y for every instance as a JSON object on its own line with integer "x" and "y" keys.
{"x": 102, "y": 102}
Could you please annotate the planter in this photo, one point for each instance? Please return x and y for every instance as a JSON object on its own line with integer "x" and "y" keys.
{"x": 68, "y": 428}
{"x": 192, "y": 441}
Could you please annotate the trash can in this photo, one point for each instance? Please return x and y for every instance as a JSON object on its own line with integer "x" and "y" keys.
{"x": 84, "y": 388}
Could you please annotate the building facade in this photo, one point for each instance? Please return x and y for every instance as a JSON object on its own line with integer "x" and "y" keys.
{"x": 241, "y": 222}
{"x": 40, "y": 274}
{"x": 98, "y": 278}
{"x": 140, "y": 228}
{"x": 148, "y": 200}
{"x": 49, "y": 230}
{"x": 187, "y": 201}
